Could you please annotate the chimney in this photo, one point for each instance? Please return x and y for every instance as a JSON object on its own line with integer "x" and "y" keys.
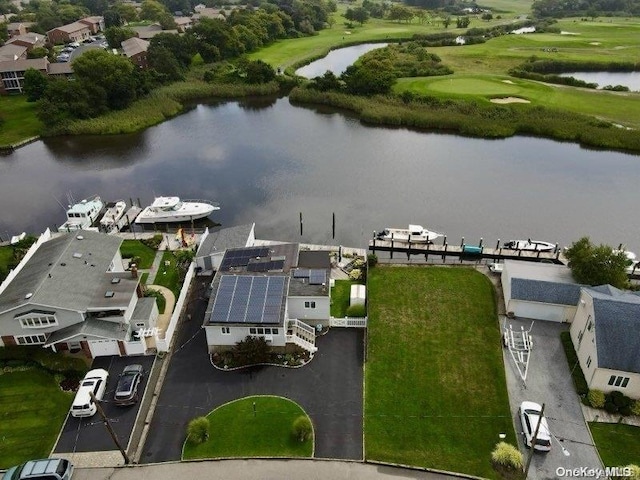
{"x": 134, "y": 270}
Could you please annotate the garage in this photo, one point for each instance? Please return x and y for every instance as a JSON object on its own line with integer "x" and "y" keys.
{"x": 552, "y": 313}
{"x": 101, "y": 348}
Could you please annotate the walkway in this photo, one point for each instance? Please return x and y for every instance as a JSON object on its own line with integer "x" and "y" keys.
{"x": 259, "y": 470}
{"x": 164, "y": 318}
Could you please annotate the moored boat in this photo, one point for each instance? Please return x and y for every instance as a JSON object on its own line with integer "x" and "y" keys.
{"x": 530, "y": 245}
{"x": 413, "y": 234}
{"x": 109, "y": 223}
{"x": 172, "y": 209}
{"x": 83, "y": 214}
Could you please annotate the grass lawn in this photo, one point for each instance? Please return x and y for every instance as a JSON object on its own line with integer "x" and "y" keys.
{"x": 168, "y": 274}
{"x": 618, "y": 444}
{"x": 6, "y": 261}
{"x": 20, "y": 121}
{"x": 135, "y": 248}
{"x": 436, "y": 393}
{"x": 236, "y": 432}
{"x": 33, "y": 409}
{"x": 340, "y": 296}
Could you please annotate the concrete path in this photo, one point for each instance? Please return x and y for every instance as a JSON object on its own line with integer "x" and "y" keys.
{"x": 155, "y": 266}
{"x": 170, "y": 300}
{"x": 258, "y": 470}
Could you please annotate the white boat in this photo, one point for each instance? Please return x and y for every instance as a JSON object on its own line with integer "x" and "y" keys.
{"x": 530, "y": 245}
{"x": 172, "y": 209}
{"x": 413, "y": 234}
{"x": 109, "y": 223}
{"x": 82, "y": 215}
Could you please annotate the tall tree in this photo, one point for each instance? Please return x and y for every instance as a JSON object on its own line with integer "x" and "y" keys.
{"x": 35, "y": 84}
{"x": 152, "y": 10}
{"x": 597, "y": 265}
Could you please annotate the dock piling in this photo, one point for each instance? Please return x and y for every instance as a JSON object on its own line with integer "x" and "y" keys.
{"x": 462, "y": 243}
{"x": 480, "y": 244}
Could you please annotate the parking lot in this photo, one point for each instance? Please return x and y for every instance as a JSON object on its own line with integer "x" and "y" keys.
{"x": 90, "y": 434}
{"x": 549, "y": 382}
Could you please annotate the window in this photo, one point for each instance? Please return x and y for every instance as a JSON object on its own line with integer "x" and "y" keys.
{"x": 31, "y": 339}
{"x": 252, "y": 331}
{"x": 580, "y": 335}
{"x": 226, "y": 331}
{"x": 588, "y": 362}
{"x": 261, "y": 331}
{"x": 618, "y": 381}
{"x": 274, "y": 331}
{"x": 140, "y": 324}
{"x": 589, "y": 323}
{"x": 38, "y": 320}
{"x": 309, "y": 304}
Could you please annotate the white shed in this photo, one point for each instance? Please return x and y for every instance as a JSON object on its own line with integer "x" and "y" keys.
{"x": 358, "y": 295}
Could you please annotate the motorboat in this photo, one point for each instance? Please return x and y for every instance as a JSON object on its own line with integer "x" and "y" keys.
{"x": 172, "y": 209}
{"x": 530, "y": 245}
{"x": 82, "y": 215}
{"x": 413, "y": 234}
{"x": 110, "y": 221}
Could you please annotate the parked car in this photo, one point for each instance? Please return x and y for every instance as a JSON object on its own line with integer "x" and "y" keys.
{"x": 529, "y": 413}
{"x": 94, "y": 381}
{"x": 74, "y": 44}
{"x": 45, "y": 469}
{"x": 496, "y": 267}
{"x": 63, "y": 57}
{"x": 67, "y": 50}
{"x": 127, "y": 389}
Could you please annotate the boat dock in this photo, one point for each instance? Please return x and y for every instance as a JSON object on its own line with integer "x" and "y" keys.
{"x": 464, "y": 251}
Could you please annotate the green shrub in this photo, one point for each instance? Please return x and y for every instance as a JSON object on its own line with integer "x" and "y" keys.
{"x": 50, "y": 361}
{"x": 507, "y": 456}
{"x": 635, "y": 408}
{"x": 578, "y": 377}
{"x": 356, "y": 311}
{"x": 634, "y": 473}
{"x": 153, "y": 242}
{"x": 611, "y": 407}
{"x": 372, "y": 260}
{"x": 625, "y": 410}
{"x": 302, "y": 428}
{"x": 619, "y": 399}
{"x": 198, "y": 430}
{"x": 355, "y": 274}
{"x": 596, "y": 398}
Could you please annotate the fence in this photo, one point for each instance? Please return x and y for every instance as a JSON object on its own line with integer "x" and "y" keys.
{"x": 349, "y": 322}
{"x": 163, "y": 344}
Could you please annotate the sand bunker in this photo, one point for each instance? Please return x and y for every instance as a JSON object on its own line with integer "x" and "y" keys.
{"x": 595, "y": 43}
{"x": 507, "y": 81}
{"x": 509, "y": 100}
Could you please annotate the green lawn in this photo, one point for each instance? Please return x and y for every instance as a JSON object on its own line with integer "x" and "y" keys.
{"x": 236, "y": 432}
{"x": 340, "y": 296}
{"x": 434, "y": 342}
{"x": 135, "y": 248}
{"x": 168, "y": 274}
{"x": 6, "y": 261}
{"x": 33, "y": 410}
{"x": 20, "y": 121}
{"x": 618, "y": 444}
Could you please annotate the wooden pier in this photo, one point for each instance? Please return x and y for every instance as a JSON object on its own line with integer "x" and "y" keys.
{"x": 464, "y": 251}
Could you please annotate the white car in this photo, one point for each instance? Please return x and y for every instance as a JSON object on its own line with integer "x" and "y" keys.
{"x": 529, "y": 413}
{"x": 496, "y": 267}
{"x": 74, "y": 44}
{"x": 94, "y": 381}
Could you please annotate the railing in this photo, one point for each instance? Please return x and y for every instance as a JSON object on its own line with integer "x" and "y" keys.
{"x": 301, "y": 342}
{"x": 302, "y": 335}
{"x": 199, "y": 200}
{"x": 349, "y": 322}
{"x": 163, "y": 342}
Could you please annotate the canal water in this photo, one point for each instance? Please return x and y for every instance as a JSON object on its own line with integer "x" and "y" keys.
{"x": 269, "y": 161}
{"x": 337, "y": 60}
{"x": 628, "y": 79}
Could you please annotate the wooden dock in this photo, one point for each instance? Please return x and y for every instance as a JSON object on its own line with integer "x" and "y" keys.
{"x": 462, "y": 251}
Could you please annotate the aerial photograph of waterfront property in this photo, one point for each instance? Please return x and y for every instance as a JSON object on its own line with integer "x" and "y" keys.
{"x": 323, "y": 239}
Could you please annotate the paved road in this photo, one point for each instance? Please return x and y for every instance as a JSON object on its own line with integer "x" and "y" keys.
{"x": 257, "y": 470}
{"x": 329, "y": 388}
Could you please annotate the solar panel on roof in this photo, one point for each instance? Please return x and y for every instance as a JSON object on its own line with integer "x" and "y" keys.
{"x": 301, "y": 273}
{"x": 317, "y": 277}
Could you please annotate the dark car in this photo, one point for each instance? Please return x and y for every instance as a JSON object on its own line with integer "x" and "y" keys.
{"x": 127, "y": 389}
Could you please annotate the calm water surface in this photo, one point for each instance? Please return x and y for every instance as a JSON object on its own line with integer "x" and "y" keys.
{"x": 628, "y": 79}
{"x": 337, "y": 60}
{"x": 267, "y": 162}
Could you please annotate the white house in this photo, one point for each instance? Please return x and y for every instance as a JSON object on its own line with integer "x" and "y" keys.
{"x": 70, "y": 292}
{"x": 605, "y": 333}
{"x": 539, "y": 291}
{"x": 214, "y": 244}
{"x": 309, "y": 292}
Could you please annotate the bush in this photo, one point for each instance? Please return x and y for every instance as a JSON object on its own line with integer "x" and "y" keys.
{"x": 634, "y": 473}
{"x": 198, "y": 430}
{"x": 302, "y": 428}
{"x": 372, "y": 260}
{"x": 507, "y": 456}
{"x": 635, "y": 408}
{"x": 619, "y": 399}
{"x": 611, "y": 407}
{"x": 252, "y": 351}
{"x": 356, "y": 311}
{"x": 355, "y": 274}
{"x": 626, "y": 410}
{"x": 153, "y": 242}
{"x": 596, "y": 398}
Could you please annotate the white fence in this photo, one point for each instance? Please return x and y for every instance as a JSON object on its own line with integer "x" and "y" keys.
{"x": 163, "y": 344}
{"x": 302, "y": 335}
{"x": 349, "y": 322}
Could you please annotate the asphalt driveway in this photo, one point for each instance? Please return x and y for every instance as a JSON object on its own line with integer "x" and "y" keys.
{"x": 549, "y": 382}
{"x": 329, "y": 388}
{"x": 90, "y": 434}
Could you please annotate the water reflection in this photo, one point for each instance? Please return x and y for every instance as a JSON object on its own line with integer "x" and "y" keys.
{"x": 98, "y": 151}
{"x": 337, "y": 60}
{"x": 628, "y": 79}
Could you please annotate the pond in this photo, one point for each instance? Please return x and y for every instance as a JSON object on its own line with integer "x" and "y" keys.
{"x": 337, "y": 60}
{"x": 628, "y": 79}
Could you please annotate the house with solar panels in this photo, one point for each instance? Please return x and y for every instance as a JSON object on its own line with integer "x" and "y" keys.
{"x": 275, "y": 291}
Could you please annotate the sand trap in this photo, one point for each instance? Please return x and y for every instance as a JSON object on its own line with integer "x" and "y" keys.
{"x": 507, "y": 81}
{"x": 509, "y": 100}
{"x": 568, "y": 33}
{"x": 595, "y": 43}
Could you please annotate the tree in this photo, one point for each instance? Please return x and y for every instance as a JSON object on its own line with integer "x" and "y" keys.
{"x": 446, "y": 22}
{"x": 181, "y": 47}
{"x": 152, "y": 10}
{"x": 35, "y": 84}
{"x": 112, "y": 18}
{"x": 597, "y": 265}
{"x": 38, "y": 52}
{"x": 252, "y": 351}
{"x": 358, "y": 14}
{"x": 116, "y": 35}
{"x": 487, "y": 16}
{"x": 167, "y": 22}
{"x": 370, "y": 78}
{"x": 302, "y": 428}
{"x": 462, "y": 22}
{"x": 127, "y": 12}
{"x": 198, "y": 430}
{"x": 258, "y": 71}
{"x": 64, "y": 100}
{"x": 400, "y": 13}
{"x": 326, "y": 82}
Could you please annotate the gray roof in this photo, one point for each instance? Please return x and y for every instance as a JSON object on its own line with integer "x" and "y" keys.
{"x": 143, "y": 309}
{"x": 617, "y": 328}
{"x": 91, "y": 327}
{"x": 133, "y": 46}
{"x": 314, "y": 259}
{"x": 9, "y": 53}
{"x": 220, "y": 240}
{"x": 545, "y": 292}
{"x": 65, "y": 272}
{"x": 300, "y": 287}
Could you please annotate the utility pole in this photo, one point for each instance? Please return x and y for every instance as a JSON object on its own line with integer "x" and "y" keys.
{"x": 105, "y": 420}
{"x": 533, "y": 442}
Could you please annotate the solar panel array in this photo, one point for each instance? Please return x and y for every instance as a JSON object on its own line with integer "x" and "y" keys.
{"x": 241, "y": 257}
{"x": 317, "y": 277}
{"x": 266, "y": 265}
{"x": 301, "y": 273}
{"x": 248, "y": 299}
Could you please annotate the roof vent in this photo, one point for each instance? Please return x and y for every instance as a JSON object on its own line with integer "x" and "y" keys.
{"x": 80, "y": 237}
{"x": 28, "y": 295}
{"x": 115, "y": 280}
{"x": 63, "y": 264}
{"x": 109, "y": 294}
{"x": 77, "y": 255}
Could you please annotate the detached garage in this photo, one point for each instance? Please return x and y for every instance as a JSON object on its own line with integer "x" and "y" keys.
{"x": 539, "y": 291}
